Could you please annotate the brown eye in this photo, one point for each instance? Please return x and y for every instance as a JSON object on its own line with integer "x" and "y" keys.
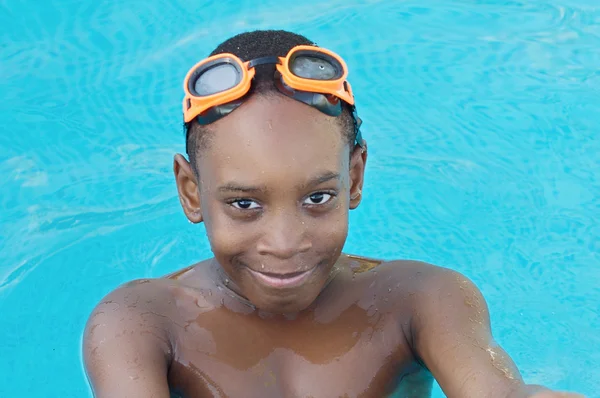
{"x": 318, "y": 198}
{"x": 245, "y": 204}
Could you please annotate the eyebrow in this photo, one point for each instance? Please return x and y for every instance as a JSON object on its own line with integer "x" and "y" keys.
{"x": 320, "y": 179}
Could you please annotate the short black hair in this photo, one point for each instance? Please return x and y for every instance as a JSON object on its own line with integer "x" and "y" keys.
{"x": 252, "y": 45}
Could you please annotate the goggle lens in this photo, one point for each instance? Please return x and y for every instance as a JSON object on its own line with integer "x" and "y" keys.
{"x": 220, "y": 77}
{"x": 314, "y": 67}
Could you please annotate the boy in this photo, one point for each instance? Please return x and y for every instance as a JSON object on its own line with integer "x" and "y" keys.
{"x": 276, "y": 160}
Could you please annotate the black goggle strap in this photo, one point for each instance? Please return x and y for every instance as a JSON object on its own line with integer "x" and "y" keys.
{"x": 263, "y": 61}
{"x": 357, "y": 124}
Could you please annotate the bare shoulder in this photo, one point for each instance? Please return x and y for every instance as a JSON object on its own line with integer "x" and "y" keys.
{"x": 414, "y": 281}
{"x": 146, "y": 298}
{"x": 439, "y": 300}
{"x": 424, "y": 292}
{"x": 424, "y": 279}
{"x": 135, "y": 307}
{"x": 126, "y": 338}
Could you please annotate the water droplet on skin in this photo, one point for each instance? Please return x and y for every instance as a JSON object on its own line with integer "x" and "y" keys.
{"x": 262, "y": 266}
{"x": 389, "y": 289}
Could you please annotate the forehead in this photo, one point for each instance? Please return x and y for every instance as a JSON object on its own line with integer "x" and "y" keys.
{"x": 274, "y": 136}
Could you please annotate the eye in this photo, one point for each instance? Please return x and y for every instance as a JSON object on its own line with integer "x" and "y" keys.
{"x": 318, "y": 198}
{"x": 245, "y": 204}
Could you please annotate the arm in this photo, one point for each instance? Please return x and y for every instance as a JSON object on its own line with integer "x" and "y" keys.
{"x": 125, "y": 349}
{"x": 452, "y": 336}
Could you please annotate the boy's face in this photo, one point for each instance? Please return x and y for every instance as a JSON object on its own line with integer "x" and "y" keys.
{"x": 275, "y": 188}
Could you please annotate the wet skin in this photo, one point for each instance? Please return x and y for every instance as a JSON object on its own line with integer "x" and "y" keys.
{"x": 280, "y": 311}
{"x": 352, "y": 341}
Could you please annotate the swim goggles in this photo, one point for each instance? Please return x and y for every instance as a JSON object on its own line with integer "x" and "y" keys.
{"x": 217, "y": 85}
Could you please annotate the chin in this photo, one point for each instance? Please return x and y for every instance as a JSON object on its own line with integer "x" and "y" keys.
{"x": 287, "y": 299}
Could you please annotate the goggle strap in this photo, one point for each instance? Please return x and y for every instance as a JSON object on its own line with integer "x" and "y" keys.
{"x": 357, "y": 124}
{"x": 263, "y": 61}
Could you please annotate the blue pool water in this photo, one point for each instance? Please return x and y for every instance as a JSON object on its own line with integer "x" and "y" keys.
{"x": 482, "y": 121}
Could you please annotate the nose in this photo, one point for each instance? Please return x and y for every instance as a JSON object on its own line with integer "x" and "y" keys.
{"x": 284, "y": 237}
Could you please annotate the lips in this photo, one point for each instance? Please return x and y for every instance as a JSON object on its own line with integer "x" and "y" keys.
{"x": 282, "y": 281}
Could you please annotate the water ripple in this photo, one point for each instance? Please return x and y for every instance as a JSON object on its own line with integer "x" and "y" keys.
{"x": 482, "y": 123}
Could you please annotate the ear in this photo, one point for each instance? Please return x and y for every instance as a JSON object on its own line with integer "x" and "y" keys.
{"x": 187, "y": 187}
{"x": 358, "y": 162}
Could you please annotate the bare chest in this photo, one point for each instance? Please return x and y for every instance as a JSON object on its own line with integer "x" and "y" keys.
{"x": 365, "y": 360}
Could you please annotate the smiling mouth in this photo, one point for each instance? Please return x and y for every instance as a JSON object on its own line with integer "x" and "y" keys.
{"x": 281, "y": 281}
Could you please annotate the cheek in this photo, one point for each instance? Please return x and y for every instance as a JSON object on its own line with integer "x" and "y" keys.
{"x": 227, "y": 237}
{"x": 329, "y": 233}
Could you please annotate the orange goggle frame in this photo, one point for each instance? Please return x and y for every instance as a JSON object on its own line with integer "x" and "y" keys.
{"x": 225, "y": 99}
